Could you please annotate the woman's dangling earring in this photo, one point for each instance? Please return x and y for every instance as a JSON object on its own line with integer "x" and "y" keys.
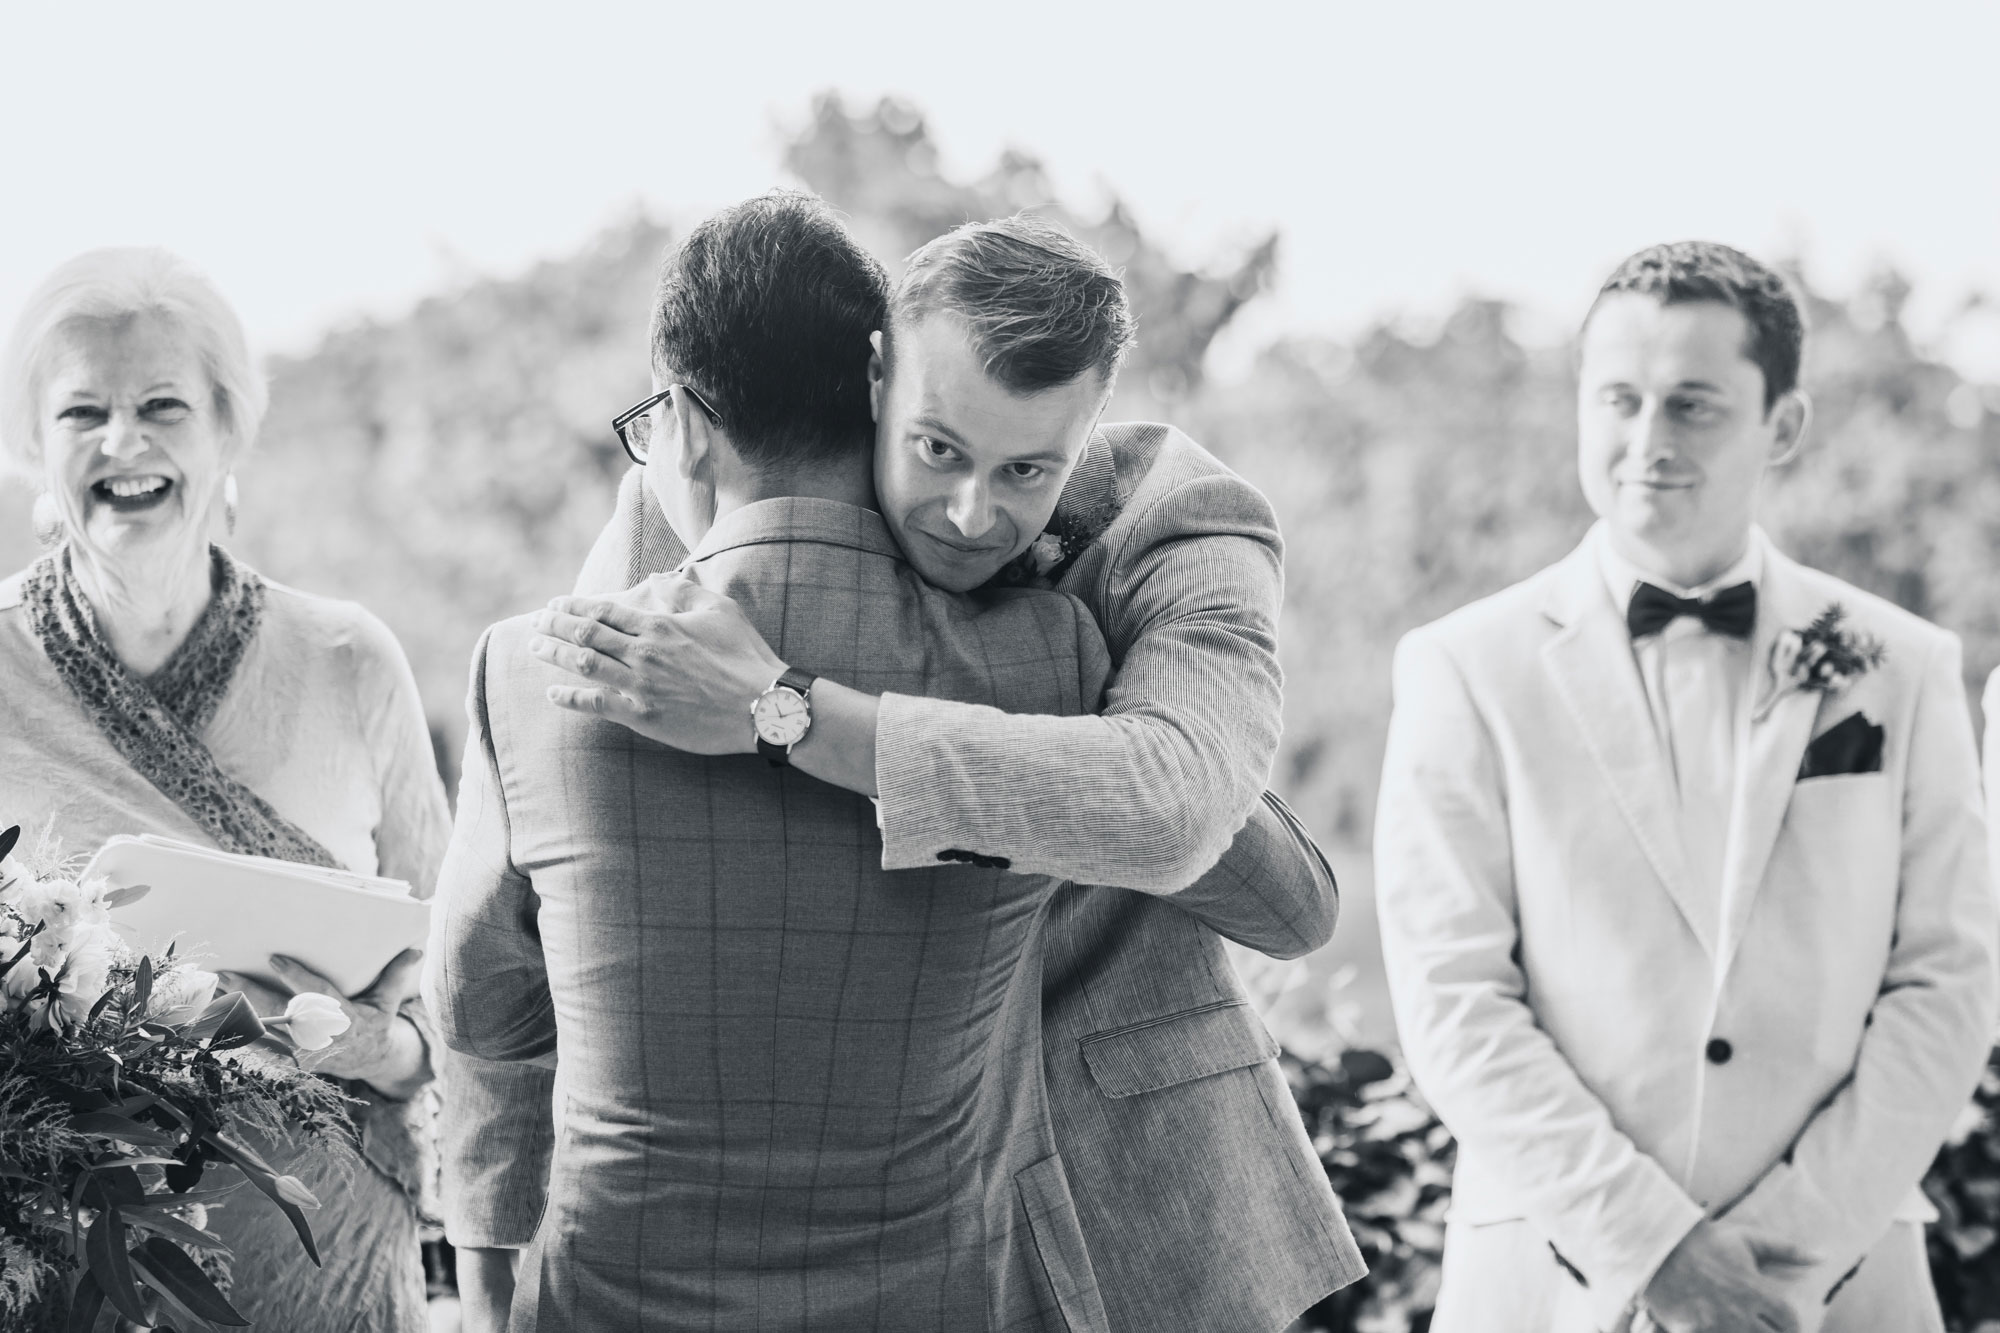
{"x": 47, "y": 520}
{"x": 229, "y": 503}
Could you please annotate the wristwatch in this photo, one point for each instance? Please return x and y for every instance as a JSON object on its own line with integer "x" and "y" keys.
{"x": 782, "y": 715}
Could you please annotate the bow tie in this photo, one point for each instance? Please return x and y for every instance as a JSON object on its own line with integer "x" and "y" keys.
{"x": 1733, "y": 611}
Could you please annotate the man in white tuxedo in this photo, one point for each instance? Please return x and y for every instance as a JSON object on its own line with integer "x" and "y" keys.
{"x": 1990, "y": 705}
{"x": 1684, "y": 885}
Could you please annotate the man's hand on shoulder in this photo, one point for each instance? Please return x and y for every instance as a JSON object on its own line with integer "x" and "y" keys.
{"x": 669, "y": 659}
{"x": 1724, "y": 1279}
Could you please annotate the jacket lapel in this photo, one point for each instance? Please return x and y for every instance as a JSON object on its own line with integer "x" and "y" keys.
{"x": 1598, "y": 679}
{"x": 636, "y": 542}
{"x": 1780, "y": 726}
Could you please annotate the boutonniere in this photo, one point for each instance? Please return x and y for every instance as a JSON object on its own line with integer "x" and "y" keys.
{"x": 1046, "y": 552}
{"x": 1050, "y": 555}
{"x": 1826, "y": 657}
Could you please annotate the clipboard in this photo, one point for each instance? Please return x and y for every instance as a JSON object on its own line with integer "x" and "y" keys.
{"x": 231, "y": 913}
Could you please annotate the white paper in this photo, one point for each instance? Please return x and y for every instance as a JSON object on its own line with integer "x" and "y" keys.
{"x": 231, "y": 913}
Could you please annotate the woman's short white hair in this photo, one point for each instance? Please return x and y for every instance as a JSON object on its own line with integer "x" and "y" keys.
{"x": 113, "y": 284}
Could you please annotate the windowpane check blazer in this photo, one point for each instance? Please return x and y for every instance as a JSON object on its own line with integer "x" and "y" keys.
{"x": 784, "y": 1074}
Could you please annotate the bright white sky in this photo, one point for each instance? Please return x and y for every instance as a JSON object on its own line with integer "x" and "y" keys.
{"x": 326, "y": 161}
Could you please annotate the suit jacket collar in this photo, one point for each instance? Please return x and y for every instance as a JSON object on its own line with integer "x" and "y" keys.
{"x": 1590, "y": 659}
{"x": 1780, "y": 726}
{"x": 1092, "y": 488}
{"x": 636, "y": 542}
{"x": 796, "y": 518}
{"x": 1597, "y": 676}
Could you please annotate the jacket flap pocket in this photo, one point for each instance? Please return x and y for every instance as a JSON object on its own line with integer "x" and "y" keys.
{"x": 1177, "y": 1049}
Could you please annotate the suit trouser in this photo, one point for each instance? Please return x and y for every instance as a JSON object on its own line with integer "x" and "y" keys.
{"x": 1502, "y": 1278}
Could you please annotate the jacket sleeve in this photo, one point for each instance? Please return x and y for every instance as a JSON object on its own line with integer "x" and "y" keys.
{"x": 1990, "y": 707}
{"x": 496, "y": 1140}
{"x": 1148, "y": 794}
{"x": 1450, "y": 930}
{"x": 1931, "y": 1028}
{"x": 1272, "y": 891}
{"x": 485, "y": 978}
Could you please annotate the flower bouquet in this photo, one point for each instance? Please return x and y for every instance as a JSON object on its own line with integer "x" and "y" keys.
{"x": 125, "y": 1084}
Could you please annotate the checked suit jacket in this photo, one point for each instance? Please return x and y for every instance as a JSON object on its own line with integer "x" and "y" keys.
{"x": 1202, "y": 1200}
{"x": 785, "y": 1070}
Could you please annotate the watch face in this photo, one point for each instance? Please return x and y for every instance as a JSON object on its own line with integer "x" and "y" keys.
{"x": 781, "y": 716}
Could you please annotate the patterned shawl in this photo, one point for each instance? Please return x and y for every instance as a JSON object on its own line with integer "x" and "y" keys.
{"x": 155, "y": 723}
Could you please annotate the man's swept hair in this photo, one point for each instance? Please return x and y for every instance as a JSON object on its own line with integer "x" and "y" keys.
{"x": 1685, "y": 272}
{"x": 766, "y": 310}
{"x": 1043, "y": 307}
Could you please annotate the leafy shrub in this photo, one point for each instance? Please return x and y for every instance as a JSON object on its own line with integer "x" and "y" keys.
{"x": 1964, "y": 1183}
{"x": 1390, "y": 1161}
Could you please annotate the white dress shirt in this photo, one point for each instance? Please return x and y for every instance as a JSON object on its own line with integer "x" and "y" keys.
{"x": 1697, "y": 689}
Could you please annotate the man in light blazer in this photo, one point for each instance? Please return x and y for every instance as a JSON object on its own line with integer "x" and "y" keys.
{"x": 1990, "y": 706}
{"x": 789, "y": 1096}
{"x": 1202, "y": 1201}
{"x": 1684, "y": 891}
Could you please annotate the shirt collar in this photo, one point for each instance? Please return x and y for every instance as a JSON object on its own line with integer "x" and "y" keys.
{"x": 1622, "y": 577}
{"x": 799, "y": 518}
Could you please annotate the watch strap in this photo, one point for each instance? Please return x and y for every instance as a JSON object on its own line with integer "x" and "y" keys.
{"x": 800, "y": 683}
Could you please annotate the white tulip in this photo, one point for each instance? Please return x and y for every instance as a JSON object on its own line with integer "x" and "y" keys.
{"x": 315, "y": 1020}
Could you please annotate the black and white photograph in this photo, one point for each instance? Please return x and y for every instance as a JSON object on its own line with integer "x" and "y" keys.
{"x": 1048, "y": 669}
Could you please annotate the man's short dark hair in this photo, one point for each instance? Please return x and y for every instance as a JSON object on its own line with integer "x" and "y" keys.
{"x": 766, "y": 309}
{"x": 1043, "y": 307}
{"x": 1684, "y": 272}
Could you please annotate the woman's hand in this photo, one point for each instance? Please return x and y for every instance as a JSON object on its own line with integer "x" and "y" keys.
{"x": 380, "y": 1047}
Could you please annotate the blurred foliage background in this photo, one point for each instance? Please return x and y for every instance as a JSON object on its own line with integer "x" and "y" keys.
{"x": 451, "y": 467}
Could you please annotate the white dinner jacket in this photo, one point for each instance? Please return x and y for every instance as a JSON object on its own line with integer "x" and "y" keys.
{"x": 1563, "y": 1000}
{"x": 1990, "y": 706}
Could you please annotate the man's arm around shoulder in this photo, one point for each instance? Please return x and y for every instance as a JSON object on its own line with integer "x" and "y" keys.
{"x": 1148, "y": 794}
{"x": 1272, "y": 891}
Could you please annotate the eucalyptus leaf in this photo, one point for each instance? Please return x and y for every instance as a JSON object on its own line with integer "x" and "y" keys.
{"x": 166, "y": 1224}
{"x": 103, "y": 1003}
{"x": 284, "y": 1191}
{"x": 112, "y": 1125}
{"x": 171, "y": 1272}
{"x": 105, "y": 1255}
{"x": 202, "y": 1196}
{"x": 227, "y": 1021}
{"x": 116, "y": 1184}
{"x": 85, "y": 1304}
{"x": 124, "y": 897}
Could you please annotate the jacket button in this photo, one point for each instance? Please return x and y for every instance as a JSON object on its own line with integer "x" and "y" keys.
{"x": 1719, "y": 1051}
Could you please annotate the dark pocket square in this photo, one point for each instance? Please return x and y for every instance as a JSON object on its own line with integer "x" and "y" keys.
{"x": 1853, "y": 745}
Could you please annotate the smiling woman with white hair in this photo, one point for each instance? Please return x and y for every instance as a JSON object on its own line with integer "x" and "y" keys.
{"x": 149, "y": 682}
